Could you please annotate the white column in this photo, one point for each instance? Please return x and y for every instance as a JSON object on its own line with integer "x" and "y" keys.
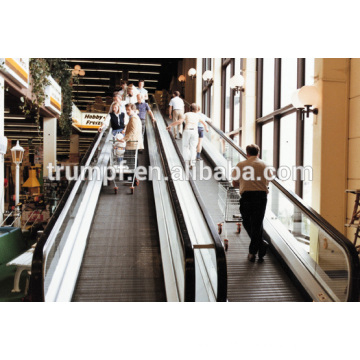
{"x": 249, "y": 103}
{"x": 198, "y": 90}
{"x": 49, "y": 144}
{"x": 216, "y": 93}
{"x": 2, "y": 122}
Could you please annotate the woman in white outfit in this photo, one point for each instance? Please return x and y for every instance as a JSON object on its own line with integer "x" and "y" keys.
{"x": 190, "y": 134}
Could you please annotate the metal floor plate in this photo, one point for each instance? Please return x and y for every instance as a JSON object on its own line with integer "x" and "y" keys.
{"x": 122, "y": 261}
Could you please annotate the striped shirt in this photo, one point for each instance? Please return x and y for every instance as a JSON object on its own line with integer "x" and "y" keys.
{"x": 257, "y": 167}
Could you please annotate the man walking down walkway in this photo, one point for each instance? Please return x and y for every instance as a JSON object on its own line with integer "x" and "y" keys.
{"x": 252, "y": 178}
{"x": 176, "y": 112}
{"x": 143, "y": 108}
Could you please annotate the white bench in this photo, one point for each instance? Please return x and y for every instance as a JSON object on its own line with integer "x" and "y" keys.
{"x": 23, "y": 263}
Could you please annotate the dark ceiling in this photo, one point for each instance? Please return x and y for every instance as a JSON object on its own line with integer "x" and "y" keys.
{"x": 103, "y": 75}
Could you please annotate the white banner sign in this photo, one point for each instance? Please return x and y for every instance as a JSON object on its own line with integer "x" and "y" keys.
{"x": 88, "y": 121}
{"x": 76, "y": 115}
{"x": 17, "y": 69}
{"x": 53, "y": 96}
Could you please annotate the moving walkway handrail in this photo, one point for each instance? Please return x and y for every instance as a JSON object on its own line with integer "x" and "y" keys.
{"x": 345, "y": 243}
{"x": 219, "y": 249}
{"x": 190, "y": 288}
{"x": 36, "y": 287}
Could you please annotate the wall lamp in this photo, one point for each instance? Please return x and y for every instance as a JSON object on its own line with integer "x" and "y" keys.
{"x": 237, "y": 83}
{"x": 182, "y": 79}
{"x": 305, "y": 98}
{"x": 192, "y": 73}
{"x": 208, "y": 77}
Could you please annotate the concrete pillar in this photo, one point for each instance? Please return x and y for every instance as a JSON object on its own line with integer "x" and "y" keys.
{"x": 49, "y": 144}
{"x": 216, "y": 93}
{"x": 249, "y": 103}
{"x": 2, "y": 122}
{"x": 198, "y": 90}
{"x": 330, "y": 141}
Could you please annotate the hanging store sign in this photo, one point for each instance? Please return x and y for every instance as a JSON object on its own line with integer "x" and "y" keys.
{"x": 17, "y": 69}
{"x": 53, "y": 96}
{"x": 89, "y": 122}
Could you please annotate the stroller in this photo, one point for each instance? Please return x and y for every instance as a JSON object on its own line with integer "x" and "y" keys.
{"x": 124, "y": 161}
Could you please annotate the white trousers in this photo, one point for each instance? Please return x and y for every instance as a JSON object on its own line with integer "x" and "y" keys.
{"x": 190, "y": 140}
{"x": 178, "y": 129}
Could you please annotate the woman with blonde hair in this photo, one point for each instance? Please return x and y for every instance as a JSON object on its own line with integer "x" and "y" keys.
{"x": 116, "y": 119}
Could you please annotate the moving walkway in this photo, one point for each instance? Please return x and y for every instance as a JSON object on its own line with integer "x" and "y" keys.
{"x": 142, "y": 247}
{"x": 309, "y": 258}
{"x": 87, "y": 254}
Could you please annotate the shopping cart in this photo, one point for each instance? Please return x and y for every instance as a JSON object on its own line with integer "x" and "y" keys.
{"x": 125, "y": 170}
{"x": 229, "y": 202}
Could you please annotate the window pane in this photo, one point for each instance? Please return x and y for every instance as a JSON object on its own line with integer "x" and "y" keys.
{"x": 227, "y": 99}
{"x": 288, "y": 80}
{"x": 288, "y": 149}
{"x": 237, "y": 111}
{"x": 268, "y": 86}
{"x": 267, "y": 143}
{"x": 309, "y": 71}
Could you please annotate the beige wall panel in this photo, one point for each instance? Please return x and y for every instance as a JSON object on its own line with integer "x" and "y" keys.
{"x": 354, "y": 159}
{"x": 335, "y": 69}
{"x": 354, "y": 118}
{"x": 355, "y": 78}
{"x": 330, "y": 141}
{"x": 352, "y": 185}
{"x": 350, "y": 233}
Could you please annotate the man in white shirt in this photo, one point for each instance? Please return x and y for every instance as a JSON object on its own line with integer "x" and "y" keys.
{"x": 201, "y": 133}
{"x": 252, "y": 178}
{"x": 130, "y": 98}
{"x": 176, "y": 112}
{"x": 142, "y": 90}
{"x": 123, "y": 85}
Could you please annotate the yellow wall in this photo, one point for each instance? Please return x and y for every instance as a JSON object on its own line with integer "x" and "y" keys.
{"x": 330, "y": 143}
{"x": 353, "y": 178}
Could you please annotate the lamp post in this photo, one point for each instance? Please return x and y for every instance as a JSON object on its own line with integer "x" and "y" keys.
{"x": 17, "y": 153}
{"x": 3, "y": 149}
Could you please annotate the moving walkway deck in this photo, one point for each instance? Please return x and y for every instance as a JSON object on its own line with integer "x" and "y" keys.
{"x": 122, "y": 261}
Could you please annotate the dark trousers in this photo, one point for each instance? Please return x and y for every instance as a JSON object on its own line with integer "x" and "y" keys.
{"x": 252, "y": 209}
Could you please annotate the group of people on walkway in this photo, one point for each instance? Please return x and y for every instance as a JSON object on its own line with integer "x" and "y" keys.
{"x": 192, "y": 132}
{"x": 127, "y": 115}
{"x": 127, "y": 118}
